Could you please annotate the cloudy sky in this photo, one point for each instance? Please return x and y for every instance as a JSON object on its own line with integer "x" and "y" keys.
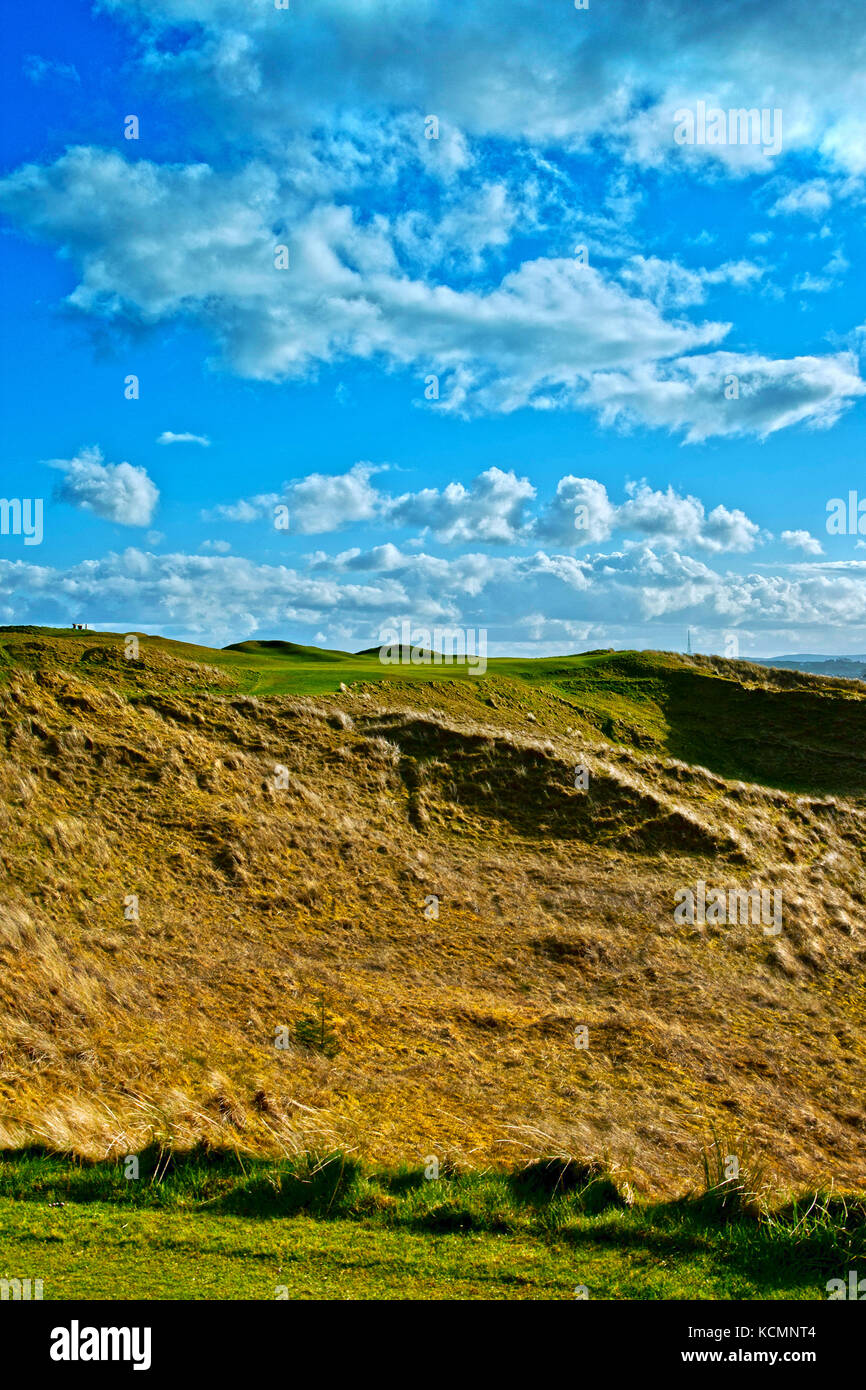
{"x": 480, "y": 313}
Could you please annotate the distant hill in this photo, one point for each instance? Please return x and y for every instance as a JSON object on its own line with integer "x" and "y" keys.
{"x": 290, "y": 650}
{"x": 848, "y": 667}
{"x": 422, "y": 655}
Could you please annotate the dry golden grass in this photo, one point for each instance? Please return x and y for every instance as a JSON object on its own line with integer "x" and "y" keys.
{"x": 457, "y": 1034}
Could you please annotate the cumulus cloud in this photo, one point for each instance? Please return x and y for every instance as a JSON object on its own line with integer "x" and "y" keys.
{"x": 498, "y": 508}
{"x": 322, "y": 502}
{"x": 492, "y": 508}
{"x": 115, "y": 491}
{"x": 540, "y": 332}
{"x": 638, "y": 595}
{"x": 669, "y": 516}
{"x": 319, "y": 502}
{"x": 582, "y": 511}
{"x": 802, "y": 540}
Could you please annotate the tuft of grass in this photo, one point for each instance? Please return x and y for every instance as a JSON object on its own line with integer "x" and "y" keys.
{"x": 735, "y": 1178}
{"x": 590, "y": 1187}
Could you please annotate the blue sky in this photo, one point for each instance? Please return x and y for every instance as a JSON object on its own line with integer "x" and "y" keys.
{"x": 629, "y": 440}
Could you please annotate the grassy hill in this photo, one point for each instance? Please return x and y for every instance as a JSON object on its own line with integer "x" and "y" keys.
{"x": 278, "y": 900}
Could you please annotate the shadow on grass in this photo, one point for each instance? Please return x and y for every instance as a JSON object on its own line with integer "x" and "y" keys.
{"x": 795, "y": 1247}
{"x": 321, "y": 1187}
{"x": 783, "y": 1250}
{"x": 591, "y": 1188}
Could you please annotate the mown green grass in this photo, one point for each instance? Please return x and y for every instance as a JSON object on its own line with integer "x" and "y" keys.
{"x": 218, "y": 1226}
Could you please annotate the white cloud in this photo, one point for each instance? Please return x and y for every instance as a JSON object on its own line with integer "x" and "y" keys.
{"x": 115, "y": 491}
{"x": 667, "y": 515}
{"x": 690, "y": 394}
{"x": 829, "y": 277}
{"x": 490, "y": 509}
{"x": 580, "y": 513}
{"x": 670, "y": 285}
{"x": 567, "y": 81}
{"x": 547, "y": 326}
{"x": 635, "y": 595}
{"x": 551, "y": 334}
{"x": 468, "y": 227}
{"x": 496, "y": 509}
{"x": 667, "y": 283}
{"x": 319, "y": 502}
{"x": 247, "y": 509}
{"x": 810, "y": 199}
{"x": 666, "y": 519}
{"x": 324, "y": 502}
{"x": 168, "y": 437}
{"x": 802, "y": 540}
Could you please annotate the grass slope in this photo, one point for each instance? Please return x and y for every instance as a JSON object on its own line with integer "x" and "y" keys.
{"x": 409, "y": 845}
{"x": 783, "y": 728}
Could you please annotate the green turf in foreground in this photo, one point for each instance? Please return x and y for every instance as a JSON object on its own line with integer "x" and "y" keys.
{"x": 95, "y": 1252}
{"x": 209, "y": 1230}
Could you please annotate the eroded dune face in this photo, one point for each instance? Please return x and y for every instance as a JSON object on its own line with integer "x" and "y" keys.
{"x": 188, "y": 871}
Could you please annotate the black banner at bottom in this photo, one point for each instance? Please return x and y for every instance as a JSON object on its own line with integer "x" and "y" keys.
{"x": 82, "y": 1339}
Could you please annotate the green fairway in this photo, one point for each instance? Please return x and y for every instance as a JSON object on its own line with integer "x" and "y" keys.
{"x": 285, "y": 668}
